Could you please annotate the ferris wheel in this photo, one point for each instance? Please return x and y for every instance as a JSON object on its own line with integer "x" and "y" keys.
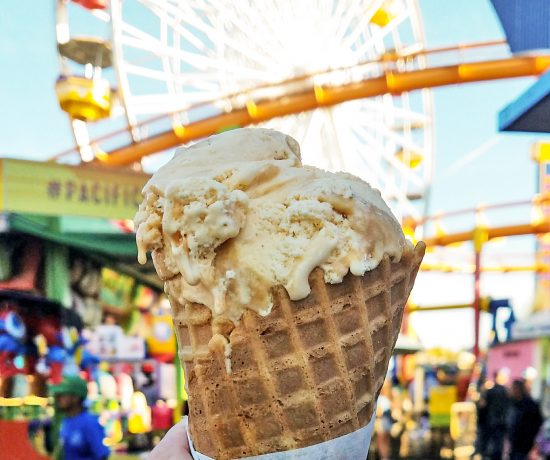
{"x": 151, "y": 65}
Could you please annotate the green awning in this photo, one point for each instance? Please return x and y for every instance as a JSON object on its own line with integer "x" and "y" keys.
{"x": 96, "y": 235}
{"x": 102, "y": 240}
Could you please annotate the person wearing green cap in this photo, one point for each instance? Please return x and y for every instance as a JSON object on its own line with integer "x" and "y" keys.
{"x": 81, "y": 434}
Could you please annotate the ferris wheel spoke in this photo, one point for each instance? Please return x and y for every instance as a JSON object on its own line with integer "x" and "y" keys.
{"x": 310, "y": 136}
{"x": 378, "y": 37}
{"x": 352, "y": 152}
{"x": 406, "y": 103}
{"x": 366, "y": 157}
{"x": 407, "y": 114}
{"x": 328, "y": 6}
{"x": 336, "y": 134}
{"x": 202, "y": 63}
{"x": 183, "y": 32}
{"x": 198, "y": 80}
{"x": 339, "y": 9}
{"x": 248, "y": 50}
{"x": 163, "y": 103}
{"x": 284, "y": 125}
{"x": 402, "y": 140}
{"x": 249, "y": 34}
{"x": 380, "y": 179}
{"x": 143, "y": 41}
{"x": 169, "y": 63}
{"x": 192, "y": 99}
{"x": 383, "y": 180}
{"x": 367, "y": 135}
{"x": 397, "y": 39}
{"x": 146, "y": 72}
{"x": 273, "y": 29}
{"x": 153, "y": 43}
{"x": 183, "y": 8}
{"x": 179, "y": 102}
{"x": 254, "y": 29}
{"x": 416, "y": 24}
{"x": 353, "y": 11}
{"x": 337, "y": 13}
{"x": 359, "y": 30}
{"x": 303, "y": 129}
{"x": 319, "y": 141}
{"x": 295, "y": 125}
{"x": 156, "y": 49}
{"x": 129, "y": 30}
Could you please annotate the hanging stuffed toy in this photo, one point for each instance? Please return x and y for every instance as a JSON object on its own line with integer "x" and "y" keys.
{"x": 72, "y": 343}
{"x": 12, "y": 335}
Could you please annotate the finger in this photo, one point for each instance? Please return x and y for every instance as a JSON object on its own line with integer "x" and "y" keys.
{"x": 174, "y": 445}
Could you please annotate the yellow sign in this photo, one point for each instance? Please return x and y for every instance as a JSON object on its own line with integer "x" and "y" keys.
{"x": 54, "y": 189}
{"x": 441, "y": 399}
{"x": 542, "y": 292}
{"x": 541, "y": 151}
{"x": 162, "y": 340}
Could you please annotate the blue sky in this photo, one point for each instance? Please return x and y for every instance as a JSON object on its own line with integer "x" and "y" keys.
{"x": 33, "y": 127}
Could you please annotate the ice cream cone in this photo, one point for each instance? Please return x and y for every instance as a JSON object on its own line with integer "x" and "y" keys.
{"x": 308, "y": 372}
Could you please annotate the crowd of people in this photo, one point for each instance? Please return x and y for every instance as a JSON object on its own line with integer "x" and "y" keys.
{"x": 509, "y": 420}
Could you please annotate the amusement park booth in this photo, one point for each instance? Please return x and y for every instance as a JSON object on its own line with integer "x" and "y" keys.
{"x": 526, "y": 355}
{"x": 66, "y": 239}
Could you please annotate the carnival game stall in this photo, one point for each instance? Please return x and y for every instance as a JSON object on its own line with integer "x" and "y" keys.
{"x": 526, "y": 355}
{"x": 74, "y": 301}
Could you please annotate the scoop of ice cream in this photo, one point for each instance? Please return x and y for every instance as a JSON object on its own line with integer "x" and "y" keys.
{"x": 237, "y": 214}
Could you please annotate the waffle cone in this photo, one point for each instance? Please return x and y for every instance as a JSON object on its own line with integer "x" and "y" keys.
{"x": 308, "y": 372}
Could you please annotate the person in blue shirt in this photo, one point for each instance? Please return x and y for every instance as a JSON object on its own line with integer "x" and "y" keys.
{"x": 81, "y": 434}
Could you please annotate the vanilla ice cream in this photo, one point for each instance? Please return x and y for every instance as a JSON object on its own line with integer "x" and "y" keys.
{"x": 237, "y": 214}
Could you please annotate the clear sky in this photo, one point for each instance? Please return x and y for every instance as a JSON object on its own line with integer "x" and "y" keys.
{"x": 474, "y": 163}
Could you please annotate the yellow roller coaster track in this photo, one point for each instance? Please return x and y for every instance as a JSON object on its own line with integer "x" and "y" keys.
{"x": 315, "y": 96}
{"x": 494, "y": 232}
{"x": 470, "y": 268}
{"x": 540, "y": 227}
